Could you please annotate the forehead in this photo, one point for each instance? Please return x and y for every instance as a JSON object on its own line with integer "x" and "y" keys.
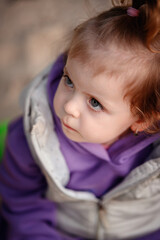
{"x": 96, "y": 70}
{"x": 121, "y": 61}
{"x": 111, "y": 60}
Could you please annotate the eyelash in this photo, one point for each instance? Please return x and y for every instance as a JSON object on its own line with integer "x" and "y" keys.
{"x": 66, "y": 78}
{"x": 65, "y": 81}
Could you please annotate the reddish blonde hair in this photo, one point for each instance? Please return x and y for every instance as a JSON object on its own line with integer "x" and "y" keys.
{"x": 137, "y": 39}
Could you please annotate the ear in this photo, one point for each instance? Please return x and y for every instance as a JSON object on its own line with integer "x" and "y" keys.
{"x": 139, "y": 126}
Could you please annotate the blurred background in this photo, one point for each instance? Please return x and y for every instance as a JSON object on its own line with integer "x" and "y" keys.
{"x": 32, "y": 34}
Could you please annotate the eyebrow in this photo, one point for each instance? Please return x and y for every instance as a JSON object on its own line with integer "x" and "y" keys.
{"x": 65, "y": 70}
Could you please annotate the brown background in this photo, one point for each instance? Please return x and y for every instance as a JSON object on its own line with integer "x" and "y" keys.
{"x": 32, "y": 34}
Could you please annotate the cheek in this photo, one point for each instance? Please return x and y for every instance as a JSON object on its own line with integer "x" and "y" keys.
{"x": 100, "y": 125}
{"x": 92, "y": 125}
{"x": 94, "y": 132}
{"x": 58, "y": 101}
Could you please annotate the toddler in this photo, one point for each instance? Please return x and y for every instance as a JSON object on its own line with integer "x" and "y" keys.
{"x": 83, "y": 161}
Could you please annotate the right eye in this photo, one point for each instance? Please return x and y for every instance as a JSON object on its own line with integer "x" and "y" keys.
{"x": 68, "y": 81}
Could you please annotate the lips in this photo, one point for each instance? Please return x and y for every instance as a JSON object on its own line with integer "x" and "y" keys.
{"x": 68, "y": 126}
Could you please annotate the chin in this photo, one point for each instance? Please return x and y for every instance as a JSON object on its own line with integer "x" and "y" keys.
{"x": 72, "y": 137}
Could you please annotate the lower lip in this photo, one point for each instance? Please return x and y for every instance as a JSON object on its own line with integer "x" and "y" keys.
{"x": 68, "y": 127}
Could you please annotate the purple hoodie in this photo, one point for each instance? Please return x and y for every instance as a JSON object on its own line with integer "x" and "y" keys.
{"x": 27, "y": 213}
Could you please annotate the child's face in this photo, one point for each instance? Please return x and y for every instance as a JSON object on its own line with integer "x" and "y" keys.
{"x": 91, "y": 107}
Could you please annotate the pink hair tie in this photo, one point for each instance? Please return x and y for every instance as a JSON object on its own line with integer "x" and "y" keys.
{"x": 133, "y": 12}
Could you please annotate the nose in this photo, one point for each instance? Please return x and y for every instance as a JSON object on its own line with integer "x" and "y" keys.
{"x": 72, "y": 107}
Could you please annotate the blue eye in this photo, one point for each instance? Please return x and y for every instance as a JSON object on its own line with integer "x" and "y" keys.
{"x": 68, "y": 81}
{"x": 95, "y": 104}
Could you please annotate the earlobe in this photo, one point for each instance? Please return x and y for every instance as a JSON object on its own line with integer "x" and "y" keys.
{"x": 139, "y": 126}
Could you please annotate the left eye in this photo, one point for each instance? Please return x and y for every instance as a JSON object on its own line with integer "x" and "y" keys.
{"x": 68, "y": 81}
{"x": 95, "y": 104}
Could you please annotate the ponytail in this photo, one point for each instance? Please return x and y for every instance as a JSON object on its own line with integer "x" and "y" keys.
{"x": 152, "y": 26}
{"x": 149, "y": 19}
